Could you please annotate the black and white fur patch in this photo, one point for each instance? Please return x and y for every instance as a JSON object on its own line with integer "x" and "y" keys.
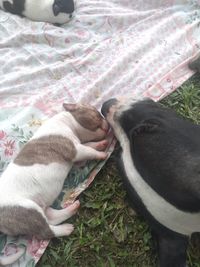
{"x": 52, "y": 11}
{"x": 160, "y": 156}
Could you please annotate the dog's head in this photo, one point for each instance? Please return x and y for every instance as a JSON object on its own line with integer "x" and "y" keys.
{"x": 131, "y": 116}
{"x": 63, "y": 6}
{"x": 89, "y": 124}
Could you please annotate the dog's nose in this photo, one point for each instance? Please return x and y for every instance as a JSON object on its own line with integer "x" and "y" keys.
{"x": 106, "y": 106}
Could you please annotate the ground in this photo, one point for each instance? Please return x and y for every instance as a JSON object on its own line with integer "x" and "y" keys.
{"x": 108, "y": 233}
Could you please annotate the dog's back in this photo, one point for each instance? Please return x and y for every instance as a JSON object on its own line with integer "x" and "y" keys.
{"x": 160, "y": 156}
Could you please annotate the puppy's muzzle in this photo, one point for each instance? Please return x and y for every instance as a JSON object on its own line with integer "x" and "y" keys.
{"x": 107, "y": 105}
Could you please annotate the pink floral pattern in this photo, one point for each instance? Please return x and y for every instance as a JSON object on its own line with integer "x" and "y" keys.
{"x": 141, "y": 48}
{"x": 2, "y": 135}
{"x": 34, "y": 247}
{"x": 10, "y": 249}
{"x": 9, "y": 148}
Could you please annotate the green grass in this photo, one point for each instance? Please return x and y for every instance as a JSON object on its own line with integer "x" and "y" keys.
{"x": 108, "y": 232}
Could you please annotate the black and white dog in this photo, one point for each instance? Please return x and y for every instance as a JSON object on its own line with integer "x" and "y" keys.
{"x": 160, "y": 162}
{"x": 52, "y": 11}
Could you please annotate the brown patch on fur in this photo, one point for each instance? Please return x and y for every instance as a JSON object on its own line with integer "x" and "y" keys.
{"x": 46, "y": 150}
{"x": 88, "y": 117}
{"x": 17, "y": 220}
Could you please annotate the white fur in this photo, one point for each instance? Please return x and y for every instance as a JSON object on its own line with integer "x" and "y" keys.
{"x": 41, "y": 10}
{"x": 30, "y": 182}
{"x": 182, "y": 222}
{"x": 125, "y": 103}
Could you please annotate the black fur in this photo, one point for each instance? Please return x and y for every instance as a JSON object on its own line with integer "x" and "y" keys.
{"x": 171, "y": 246}
{"x": 17, "y": 7}
{"x": 166, "y": 152}
{"x": 63, "y": 6}
{"x": 59, "y": 6}
{"x": 172, "y": 249}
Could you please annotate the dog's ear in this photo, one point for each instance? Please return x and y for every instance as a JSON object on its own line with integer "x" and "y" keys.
{"x": 145, "y": 126}
{"x": 56, "y": 9}
{"x": 69, "y": 107}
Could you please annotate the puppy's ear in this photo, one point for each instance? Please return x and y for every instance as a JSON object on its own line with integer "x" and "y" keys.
{"x": 145, "y": 126}
{"x": 69, "y": 107}
{"x": 56, "y": 9}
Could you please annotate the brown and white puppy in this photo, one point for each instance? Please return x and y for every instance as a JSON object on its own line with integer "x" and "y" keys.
{"x": 52, "y": 11}
{"x": 32, "y": 182}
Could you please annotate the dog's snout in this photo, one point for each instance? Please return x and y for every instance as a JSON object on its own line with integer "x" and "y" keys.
{"x": 106, "y": 105}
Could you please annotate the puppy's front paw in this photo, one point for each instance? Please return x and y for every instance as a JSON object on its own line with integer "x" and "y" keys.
{"x": 73, "y": 208}
{"x": 102, "y": 156}
{"x": 101, "y": 145}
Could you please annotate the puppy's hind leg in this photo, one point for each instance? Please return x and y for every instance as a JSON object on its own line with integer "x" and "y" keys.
{"x": 62, "y": 229}
{"x": 57, "y": 216}
{"x": 43, "y": 230}
{"x": 29, "y": 219}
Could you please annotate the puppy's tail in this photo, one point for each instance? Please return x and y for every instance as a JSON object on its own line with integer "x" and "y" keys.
{"x": 6, "y": 260}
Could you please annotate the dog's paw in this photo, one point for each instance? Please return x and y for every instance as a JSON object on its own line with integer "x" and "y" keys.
{"x": 101, "y": 145}
{"x": 73, "y": 208}
{"x": 67, "y": 228}
{"x": 102, "y": 156}
{"x": 62, "y": 229}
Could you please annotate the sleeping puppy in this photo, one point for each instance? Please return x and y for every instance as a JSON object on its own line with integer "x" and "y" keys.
{"x": 52, "y": 11}
{"x": 35, "y": 178}
{"x": 160, "y": 163}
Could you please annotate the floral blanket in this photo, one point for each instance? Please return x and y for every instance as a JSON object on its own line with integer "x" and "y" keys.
{"x": 109, "y": 48}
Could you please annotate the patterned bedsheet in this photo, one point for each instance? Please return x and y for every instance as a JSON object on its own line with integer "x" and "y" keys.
{"x": 109, "y": 48}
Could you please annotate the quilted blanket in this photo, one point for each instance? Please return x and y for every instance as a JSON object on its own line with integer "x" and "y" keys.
{"x": 109, "y": 48}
